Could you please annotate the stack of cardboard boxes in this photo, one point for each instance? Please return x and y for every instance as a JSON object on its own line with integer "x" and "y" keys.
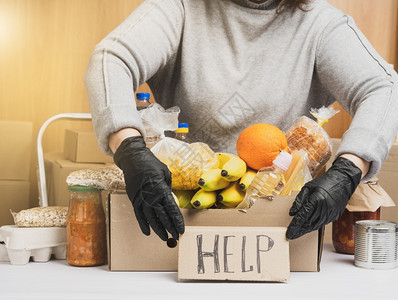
{"x": 81, "y": 151}
{"x": 15, "y": 153}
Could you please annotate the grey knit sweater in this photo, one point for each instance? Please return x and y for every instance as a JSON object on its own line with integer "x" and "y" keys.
{"x": 229, "y": 64}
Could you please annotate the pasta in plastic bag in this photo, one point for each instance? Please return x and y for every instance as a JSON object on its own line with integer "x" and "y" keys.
{"x": 186, "y": 162}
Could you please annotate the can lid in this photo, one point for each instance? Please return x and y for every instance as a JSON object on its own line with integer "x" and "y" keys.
{"x": 81, "y": 188}
{"x": 143, "y": 96}
{"x": 283, "y": 160}
{"x": 376, "y": 226}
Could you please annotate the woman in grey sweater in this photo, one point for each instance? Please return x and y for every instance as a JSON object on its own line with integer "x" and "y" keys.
{"x": 229, "y": 64}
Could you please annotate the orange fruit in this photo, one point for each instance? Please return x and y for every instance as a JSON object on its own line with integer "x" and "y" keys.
{"x": 259, "y": 144}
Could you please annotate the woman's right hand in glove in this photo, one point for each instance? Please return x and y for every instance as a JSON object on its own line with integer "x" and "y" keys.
{"x": 148, "y": 186}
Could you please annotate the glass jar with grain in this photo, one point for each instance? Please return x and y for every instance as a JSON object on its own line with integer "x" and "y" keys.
{"x": 85, "y": 227}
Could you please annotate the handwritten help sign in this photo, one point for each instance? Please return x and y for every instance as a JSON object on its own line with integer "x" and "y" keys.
{"x": 234, "y": 253}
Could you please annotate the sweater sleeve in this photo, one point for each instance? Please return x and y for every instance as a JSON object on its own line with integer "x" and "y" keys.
{"x": 366, "y": 87}
{"x": 125, "y": 59}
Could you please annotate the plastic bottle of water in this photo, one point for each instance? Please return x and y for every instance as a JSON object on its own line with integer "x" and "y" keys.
{"x": 142, "y": 100}
{"x": 269, "y": 181}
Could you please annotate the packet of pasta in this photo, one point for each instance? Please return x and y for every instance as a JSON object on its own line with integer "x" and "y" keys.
{"x": 186, "y": 162}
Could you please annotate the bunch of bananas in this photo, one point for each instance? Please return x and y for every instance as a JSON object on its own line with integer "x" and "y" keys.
{"x": 221, "y": 187}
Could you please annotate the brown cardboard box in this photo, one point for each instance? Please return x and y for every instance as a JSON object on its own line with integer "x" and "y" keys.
{"x": 16, "y": 139}
{"x": 130, "y": 250}
{"x": 14, "y": 195}
{"x": 234, "y": 253}
{"x": 388, "y": 179}
{"x": 57, "y": 169}
{"x": 82, "y": 147}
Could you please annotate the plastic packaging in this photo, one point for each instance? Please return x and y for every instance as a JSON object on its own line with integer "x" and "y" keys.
{"x": 85, "y": 229}
{"x": 108, "y": 178}
{"x": 48, "y": 216}
{"x": 157, "y": 120}
{"x": 142, "y": 100}
{"x": 19, "y": 244}
{"x": 186, "y": 162}
{"x": 298, "y": 173}
{"x": 268, "y": 181}
{"x": 309, "y": 135}
{"x": 182, "y": 132}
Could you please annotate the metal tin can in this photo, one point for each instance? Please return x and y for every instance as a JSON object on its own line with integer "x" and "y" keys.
{"x": 376, "y": 244}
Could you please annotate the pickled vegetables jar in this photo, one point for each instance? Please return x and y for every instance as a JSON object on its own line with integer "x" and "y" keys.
{"x": 343, "y": 229}
{"x": 85, "y": 227}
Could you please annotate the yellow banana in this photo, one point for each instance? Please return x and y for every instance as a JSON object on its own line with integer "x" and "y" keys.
{"x": 231, "y": 196}
{"x": 211, "y": 180}
{"x": 247, "y": 179}
{"x": 184, "y": 197}
{"x": 175, "y": 198}
{"x": 203, "y": 199}
{"x": 232, "y": 166}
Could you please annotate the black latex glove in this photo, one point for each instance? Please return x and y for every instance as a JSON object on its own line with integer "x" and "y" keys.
{"x": 323, "y": 199}
{"x": 148, "y": 186}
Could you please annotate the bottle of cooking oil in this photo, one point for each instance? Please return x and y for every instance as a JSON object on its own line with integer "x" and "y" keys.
{"x": 182, "y": 132}
{"x": 269, "y": 181}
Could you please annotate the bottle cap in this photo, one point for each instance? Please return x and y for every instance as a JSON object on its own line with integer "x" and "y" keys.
{"x": 143, "y": 96}
{"x": 183, "y": 125}
{"x": 182, "y": 128}
{"x": 283, "y": 160}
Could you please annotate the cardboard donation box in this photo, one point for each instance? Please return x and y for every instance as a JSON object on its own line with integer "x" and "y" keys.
{"x": 234, "y": 253}
{"x": 82, "y": 147}
{"x": 130, "y": 250}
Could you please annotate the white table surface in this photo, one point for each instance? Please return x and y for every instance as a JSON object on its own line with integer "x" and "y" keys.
{"x": 338, "y": 279}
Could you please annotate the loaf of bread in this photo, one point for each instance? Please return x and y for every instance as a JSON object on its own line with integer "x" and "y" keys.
{"x": 306, "y": 134}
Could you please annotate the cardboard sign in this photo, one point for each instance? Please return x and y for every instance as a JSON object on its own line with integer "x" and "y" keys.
{"x": 234, "y": 253}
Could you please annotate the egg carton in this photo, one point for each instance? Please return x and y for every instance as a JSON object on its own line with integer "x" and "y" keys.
{"x": 19, "y": 244}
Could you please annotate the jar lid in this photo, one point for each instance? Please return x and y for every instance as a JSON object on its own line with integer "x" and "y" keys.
{"x": 376, "y": 226}
{"x": 143, "y": 96}
{"x": 81, "y": 188}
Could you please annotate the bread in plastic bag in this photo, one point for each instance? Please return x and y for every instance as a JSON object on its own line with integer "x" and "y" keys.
{"x": 46, "y": 216}
{"x": 309, "y": 135}
{"x": 186, "y": 162}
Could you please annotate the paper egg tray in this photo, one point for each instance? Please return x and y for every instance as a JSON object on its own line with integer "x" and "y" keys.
{"x": 19, "y": 244}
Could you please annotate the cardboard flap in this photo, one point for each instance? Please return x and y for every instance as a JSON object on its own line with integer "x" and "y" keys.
{"x": 234, "y": 253}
